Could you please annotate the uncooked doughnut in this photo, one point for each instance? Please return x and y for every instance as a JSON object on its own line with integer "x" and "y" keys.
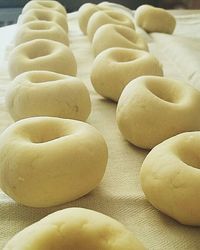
{"x": 75, "y": 229}
{"x": 100, "y": 18}
{"x": 152, "y": 109}
{"x": 85, "y": 12}
{"x": 42, "y": 54}
{"x": 170, "y": 177}
{"x": 113, "y": 35}
{"x": 44, "y": 5}
{"x": 153, "y": 19}
{"x": 41, "y": 30}
{"x": 114, "y": 68}
{"x": 47, "y": 161}
{"x": 42, "y": 15}
{"x": 45, "y": 93}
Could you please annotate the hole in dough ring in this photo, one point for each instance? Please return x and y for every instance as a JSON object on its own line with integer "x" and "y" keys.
{"x": 113, "y": 35}
{"x": 100, "y": 18}
{"x": 170, "y": 177}
{"x": 42, "y": 54}
{"x": 152, "y": 109}
{"x": 75, "y": 229}
{"x": 114, "y": 68}
{"x": 42, "y": 15}
{"x": 45, "y": 93}
{"x": 153, "y": 19}
{"x": 41, "y": 30}
{"x": 85, "y": 12}
{"x": 47, "y": 161}
{"x": 45, "y": 5}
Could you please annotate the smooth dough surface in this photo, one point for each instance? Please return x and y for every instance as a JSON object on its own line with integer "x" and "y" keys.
{"x": 100, "y": 18}
{"x": 85, "y": 12}
{"x": 41, "y": 30}
{"x": 47, "y": 161}
{"x": 43, "y": 15}
{"x": 45, "y": 93}
{"x": 170, "y": 177}
{"x": 75, "y": 229}
{"x": 114, "y": 68}
{"x": 45, "y": 5}
{"x": 113, "y": 35}
{"x": 153, "y": 19}
{"x": 152, "y": 109}
{"x": 42, "y": 54}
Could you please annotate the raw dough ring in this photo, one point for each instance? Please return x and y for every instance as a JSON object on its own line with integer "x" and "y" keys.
{"x": 47, "y": 161}
{"x": 75, "y": 229}
{"x": 170, "y": 177}
{"x": 42, "y": 54}
{"x": 113, "y": 35}
{"x": 85, "y": 12}
{"x": 100, "y": 18}
{"x": 44, "y": 5}
{"x": 152, "y": 109}
{"x": 154, "y": 19}
{"x": 45, "y": 93}
{"x": 114, "y": 68}
{"x": 42, "y": 15}
{"x": 41, "y": 30}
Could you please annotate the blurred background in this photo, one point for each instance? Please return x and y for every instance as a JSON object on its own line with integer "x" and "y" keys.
{"x": 10, "y": 9}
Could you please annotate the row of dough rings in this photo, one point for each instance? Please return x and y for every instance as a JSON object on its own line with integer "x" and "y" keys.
{"x": 91, "y": 17}
{"x": 43, "y": 20}
{"x": 122, "y": 53}
{"x": 64, "y": 151}
{"x": 152, "y": 109}
{"x": 73, "y": 216}
{"x": 44, "y": 10}
{"x": 43, "y": 70}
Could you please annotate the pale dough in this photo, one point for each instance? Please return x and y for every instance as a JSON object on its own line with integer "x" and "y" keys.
{"x": 170, "y": 177}
{"x": 114, "y": 35}
{"x": 42, "y": 15}
{"x": 42, "y": 54}
{"x": 75, "y": 229}
{"x": 44, "y": 5}
{"x": 153, "y": 19}
{"x": 114, "y": 68}
{"x": 100, "y": 18}
{"x": 152, "y": 109}
{"x": 40, "y": 30}
{"x": 47, "y": 161}
{"x": 45, "y": 93}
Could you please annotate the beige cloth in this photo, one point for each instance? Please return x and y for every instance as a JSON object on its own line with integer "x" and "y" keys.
{"x": 119, "y": 195}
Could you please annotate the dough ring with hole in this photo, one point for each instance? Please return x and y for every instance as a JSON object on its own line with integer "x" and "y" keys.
{"x": 47, "y": 161}
{"x": 170, "y": 177}
{"x": 85, "y": 12}
{"x": 152, "y": 109}
{"x": 114, "y": 68}
{"x": 42, "y": 54}
{"x": 75, "y": 229}
{"x": 100, "y": 18}
{"x": 41, "y": 30}
{"x": 153, "y": 19}
{"x": 42, "y": 15}
{"x": 45, "y": 5}
{"x": 45, "y": 93}
{"x": 113, "y": 35}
